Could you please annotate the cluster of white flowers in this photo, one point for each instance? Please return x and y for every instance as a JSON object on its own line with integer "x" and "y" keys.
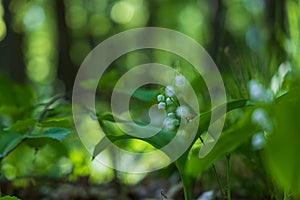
{"x": 167, "y": 101}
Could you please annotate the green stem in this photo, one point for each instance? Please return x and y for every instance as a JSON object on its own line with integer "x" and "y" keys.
{"x": 47, "y": 105}
{"x": 228, "y": 176}
{"x": 187, "y": 187}
{"x": 187, "y": 181}
{"x": 219, "y": 181}
{"x": 285, "y": 194}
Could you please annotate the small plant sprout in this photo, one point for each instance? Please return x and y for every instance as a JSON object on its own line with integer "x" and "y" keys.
{"x": 161, "y": 105}
{"x": 160, "y": 98}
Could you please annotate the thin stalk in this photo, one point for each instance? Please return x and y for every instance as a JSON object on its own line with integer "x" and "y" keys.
{"x": 218, "y": 180}
{"x": 187, "y": 181}
{"x": 286, "y": 195}
{"x": 187, "y": 187}
{"x": 228, "y": 176}
{"x": 47, "y": 105}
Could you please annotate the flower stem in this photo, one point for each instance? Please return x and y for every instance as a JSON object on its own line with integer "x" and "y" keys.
{"x": 228, "y": 176}
{"x": 218, "y": 180}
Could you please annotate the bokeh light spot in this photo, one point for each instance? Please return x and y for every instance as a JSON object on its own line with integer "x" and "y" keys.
{"x": 190, "y": 20}
{"x": 34, "y": 17}
{"x": 76, "y": 17}
{"x": 254, "y": 6}
{"x": 235, "y": 22}
{"x": 99, "y": 25}
{"x": 122, "y": 12}
{"x": 255, "y": 39}
{"x": 2, "y": 30}
{"x": 38, "y": 69}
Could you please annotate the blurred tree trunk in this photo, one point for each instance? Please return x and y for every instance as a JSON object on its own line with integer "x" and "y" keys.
{"x": 66, "y": 70}
{"x": 218, "y": 32}
{"x": 11, "y": 55}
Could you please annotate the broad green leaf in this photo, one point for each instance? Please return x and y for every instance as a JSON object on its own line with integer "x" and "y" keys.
{"x": 191, "y": 165}
{"x": 9, "y": 141}
{"x": 54, "y": 133}
{"x": 41, "y": 142}
{"x": 14, "y": 98}
{"x": 205, "y": 118}
{"x": 158, "y": 141}
{"x": 163, "y": 137}
{"x": 228, "y": 141}
{"x": 101, "y": 146}
{"x": 141, "y": 94}
{"x": 56, "y": 122}
{"x": 107, "y": 116}
{"x": 22, "y": 125}
{"x": 282, "y": 150}
{"x": 106, "y": 141}
{"x": 9, "y": 198}
{"x": 9, "y": 110}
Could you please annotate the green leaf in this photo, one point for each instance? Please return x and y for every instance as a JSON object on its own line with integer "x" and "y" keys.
{"x": 14, "y": 98}
{"x": 282, "y": 150}
{"x": 141, "y": 94}
{"x": 42, "y": 142}
{"x": 111, "y": 133}
{"x": 9, "y": 198}
{"x": 205, "y": 120}
{"x": 233, "y": 137}
{"x": 163, "y": 137}
{"x": 56, "y": 122}
{"x": 106, "y": 141}
{"x": 54, "y": 133}
{"x": 57, "y": 133}
{"x": 107, "y": 116}
{"x": 9, "y": 141}
{"x": 22, "y": 125}
{"x": 228, "y": 141}
{"x": 101, "y": 146}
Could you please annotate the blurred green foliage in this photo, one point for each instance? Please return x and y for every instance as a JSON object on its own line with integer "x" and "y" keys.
{"x": 255, "y": 44}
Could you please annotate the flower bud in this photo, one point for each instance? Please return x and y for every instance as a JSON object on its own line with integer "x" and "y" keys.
{"x": 179, "y": 81}
{"x": 170, "y": 91}
{"x": 160, "y": 98}
{"x": 182, "y": 111}
{"x": 161, "y": 105}
{"x": 169, "y": 101}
